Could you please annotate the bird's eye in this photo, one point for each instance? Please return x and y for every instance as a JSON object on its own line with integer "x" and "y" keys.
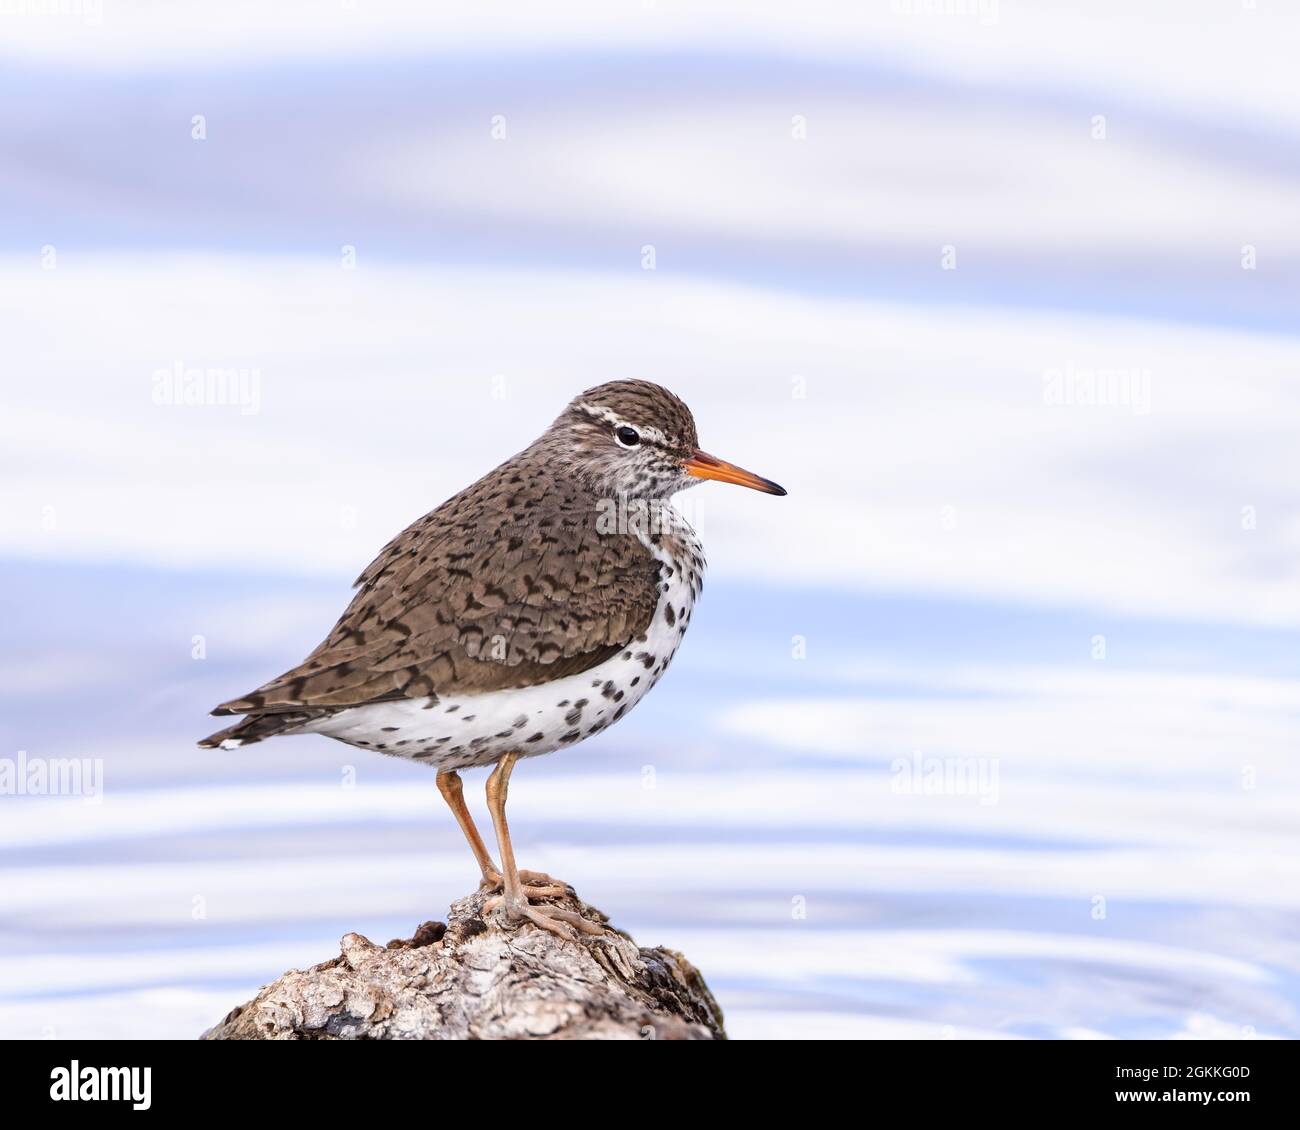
{"x": 627, "y": 437}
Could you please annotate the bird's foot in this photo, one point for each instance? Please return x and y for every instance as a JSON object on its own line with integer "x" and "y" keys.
{"x": 539, "y": 884}
{"x": 558, "y": 921}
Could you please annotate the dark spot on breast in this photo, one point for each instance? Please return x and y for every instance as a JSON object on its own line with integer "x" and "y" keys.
{"x": 537, "y": 737}
{"x": 670, "y": 615}
{"x": 391, "y": 729}
{"x": 571, "y": 736}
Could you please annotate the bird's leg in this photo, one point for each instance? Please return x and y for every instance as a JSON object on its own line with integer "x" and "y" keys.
{"x": 514, "y": 898}
{"x": 453, "y": 793}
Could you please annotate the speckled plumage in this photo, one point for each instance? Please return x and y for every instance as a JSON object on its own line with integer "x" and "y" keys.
{"x": 565, "y": 568}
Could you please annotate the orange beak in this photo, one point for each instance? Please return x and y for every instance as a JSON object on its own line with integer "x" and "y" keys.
{"x": 705, "y": 466}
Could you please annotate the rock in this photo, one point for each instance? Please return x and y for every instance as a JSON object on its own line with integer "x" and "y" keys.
{"x": 477, "y": 979}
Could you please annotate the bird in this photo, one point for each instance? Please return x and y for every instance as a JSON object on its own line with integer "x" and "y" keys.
{"x": 525, "y": 614}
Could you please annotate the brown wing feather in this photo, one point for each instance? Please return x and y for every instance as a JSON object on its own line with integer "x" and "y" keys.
{"x": 508, "y": 584}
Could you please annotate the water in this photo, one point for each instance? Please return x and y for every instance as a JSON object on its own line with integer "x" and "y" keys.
{"x": 1056, "y": 797}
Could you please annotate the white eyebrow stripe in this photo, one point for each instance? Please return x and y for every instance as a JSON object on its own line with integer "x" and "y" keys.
{"x": 654, "y": 435}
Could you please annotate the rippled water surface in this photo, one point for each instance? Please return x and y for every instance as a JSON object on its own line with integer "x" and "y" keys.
{"x": 971, "y": 735}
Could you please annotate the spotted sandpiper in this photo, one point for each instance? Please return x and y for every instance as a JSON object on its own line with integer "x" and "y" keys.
{"x": 525, "y": 614}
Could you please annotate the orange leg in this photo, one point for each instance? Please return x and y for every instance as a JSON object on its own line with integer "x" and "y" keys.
{"x": 514, "y": 898}
{"x": 453, "y": 793}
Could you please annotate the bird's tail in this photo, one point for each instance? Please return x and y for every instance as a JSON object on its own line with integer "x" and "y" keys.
{"x": 254, "y": 728}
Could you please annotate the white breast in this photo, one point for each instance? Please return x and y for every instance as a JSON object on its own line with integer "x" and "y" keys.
{"x": 458, "y": 733}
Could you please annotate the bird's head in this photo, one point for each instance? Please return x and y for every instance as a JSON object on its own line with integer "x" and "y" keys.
{"x": 636, "y": 438}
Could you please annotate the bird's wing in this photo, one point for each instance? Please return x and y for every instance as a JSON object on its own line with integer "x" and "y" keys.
{"x": 505, "y": 585}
